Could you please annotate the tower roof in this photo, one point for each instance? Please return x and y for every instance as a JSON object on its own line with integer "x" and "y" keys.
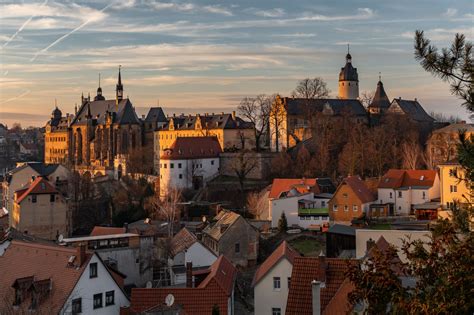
{"x": 380, "y": 99}
{"x": 348, "y": 72}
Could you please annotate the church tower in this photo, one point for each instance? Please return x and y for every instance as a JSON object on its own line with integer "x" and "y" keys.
{"x": 348, "y": 80}
{"x": 119, "y": 88}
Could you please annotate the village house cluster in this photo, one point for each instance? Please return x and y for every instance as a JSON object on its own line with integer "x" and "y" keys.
{"x": 285, "y": 249}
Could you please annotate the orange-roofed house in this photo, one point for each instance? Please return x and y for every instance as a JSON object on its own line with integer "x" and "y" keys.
{"x": 39, "y": 209}
{"x": 214, "y": 291}
{"x": 272, "y": 281}
{"x": 51, "y": 279}
{"x": 319, "y": 286}
{"x": 303, "y": 200}
{"x": 189, "y": 163}
{"x": 351, "y": 200}
{"x": 403, "y": 189}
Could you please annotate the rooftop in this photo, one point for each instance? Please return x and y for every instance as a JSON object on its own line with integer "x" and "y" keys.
{"x": 184, "y": 148}
{"x": 395, "y": 178}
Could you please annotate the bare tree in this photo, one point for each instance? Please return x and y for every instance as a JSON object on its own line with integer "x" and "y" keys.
{"x": 166, "y": 208}
{"x": 311, "y": 89}
{"x": 257, "y": 111}
{"x": 277, "y": 116}
{"x": 257, "y": 203}
{"x": 242, "y": 164}
{"x": 366, "y": 98}
{"x": 411, "y": 152}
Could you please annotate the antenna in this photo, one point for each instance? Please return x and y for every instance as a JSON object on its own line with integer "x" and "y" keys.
{"x": 380, "y": 76}
{"x": 99, "y": 79}
{"x": 347, "y": 47}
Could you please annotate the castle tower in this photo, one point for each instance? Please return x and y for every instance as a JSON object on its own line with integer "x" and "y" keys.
{"x": 380, "y": 103}
{"x": 348, "y": 80}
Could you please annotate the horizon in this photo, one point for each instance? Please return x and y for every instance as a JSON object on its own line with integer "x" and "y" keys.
{"x": 199, "y": 56}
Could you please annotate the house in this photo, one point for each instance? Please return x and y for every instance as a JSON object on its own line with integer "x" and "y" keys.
{"x": 186, "y": 248}
{"x": 304, "y": 201}
{"x": 319, "y": 286}
{"x": 189, "y": 163}
{"x": 231, "y": 235}
{"x": 413, "y": 111}
{"x": 28, "y": 149}
{"x": 213, "y": 289}
{"x": 51, "y": 279}
{"x": 40, "y": 210}
{"x": 340, "y": 241}
{"x": 272, "y": 280}
{"x": 403, "y": 189}
{"x": 351, "y": 200}
{"x": 452, "y": 189}
{"x": 128, "y": 253}
{"x": 24, "y": 172}
{"x": 443, "y": 142}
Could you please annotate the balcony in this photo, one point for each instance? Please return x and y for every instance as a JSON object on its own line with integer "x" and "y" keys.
{"x": 313, "y": 211}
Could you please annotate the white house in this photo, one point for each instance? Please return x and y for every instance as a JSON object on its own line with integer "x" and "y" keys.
{"x": 403, "y": 189}
{"x": 186, "y": 248}
{"x": 272, "y": 281}
{"x": 51, "y": 279}
{"x": 189, "y": 163}
{"x": 302, "y": 201}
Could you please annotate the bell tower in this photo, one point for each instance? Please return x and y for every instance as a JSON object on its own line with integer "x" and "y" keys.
{"x": 348, "y": 80}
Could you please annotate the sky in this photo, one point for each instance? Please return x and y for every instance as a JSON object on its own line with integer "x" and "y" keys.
{"x": 205, "y": 56}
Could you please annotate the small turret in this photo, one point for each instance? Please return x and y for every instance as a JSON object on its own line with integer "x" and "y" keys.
{"x": 99, "y": 96}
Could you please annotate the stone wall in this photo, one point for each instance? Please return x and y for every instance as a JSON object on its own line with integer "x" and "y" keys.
{"x": 260, "y": 163}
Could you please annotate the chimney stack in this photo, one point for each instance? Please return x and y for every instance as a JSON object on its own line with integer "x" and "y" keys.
{"x": 322, "y": 269}
{"x": 81, "y": 254}
{"x": 316, "y": 297}
{"x": 189, "y": 275}
{"x": 233, "y": 114}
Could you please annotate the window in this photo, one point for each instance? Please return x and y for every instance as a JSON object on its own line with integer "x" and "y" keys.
{"x": 334, "y": 208}
{"x": 237, "y": 247}
{"x": 276, "y": 311}
{"x": 355, "y": 208}
{"x": 109, "y": 298}
{"x": 346, "y": 208}
{"x": 171, "y": 165}
{"x": 51, "y": 198}
{"x": 179, "y": 165}
{"x": 344, "y": 195}
{"x": 423, "y": 195}
{"x": 165, "y": 165}
{"x": 180, "y": 176}
{"x": 453, "y": 188}
{"x": 391, "y": 195}
{"x": 399, "y": 194}
{"x": 276, "y": 283}
{"x": 33, "y": 198}
{"x": 289, "y": 282}
{"x": 77, "y": 306}
{"x": 212, "y": 162}
{"x": 323, "y": 204}
{"x": 97, "y": 300}
{"x": 93, "y": 270}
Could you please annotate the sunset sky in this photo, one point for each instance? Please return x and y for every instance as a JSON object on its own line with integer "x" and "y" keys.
{"x": 197, "y": 56}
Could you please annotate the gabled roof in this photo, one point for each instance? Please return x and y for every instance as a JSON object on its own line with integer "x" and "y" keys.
{"x": 215, "y": 289}
{"x": 305, "y": 270}
{"x": 303, "y": 106}
{"x": 380, "y": 99}
{"x": 41, "y": 262}
{"x": 104, "y": 230}
{"x": 184, "y": 148}
{"x": 41, "y": 168}
{"x": 156, "y": 114}
{"x": 215, "y": 121}
{"x": 413, "y": 109}
{"x": 407, "y": 178}
{"x": 455, "y": 128}
{"x": 358, "y": 186}
{"x": 281, "y": 185}
{"x": 39, "y": 186}
{"x": 182, "y": 241}
{"x": 124, "y": 113}
{"x": 282, "y": 251}
{"x": 224, "y": 219}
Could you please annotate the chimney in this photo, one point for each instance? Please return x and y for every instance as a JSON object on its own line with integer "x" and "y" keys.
{"x": 233, "y": 114}
{"x": 81, "y": 254}
{"x": 370, "y": 243}
{"x": 322, "y": 269}
{"x": 316, "y": 297}
{"x": 189, "y": 274}
{"x": 143, "y": 116}
{"x": 415, "y": 99}
{"x": 125, "y": 225}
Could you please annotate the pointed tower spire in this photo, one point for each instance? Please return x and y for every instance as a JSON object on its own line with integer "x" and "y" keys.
{"x": 119, "y": 88}
{"x": 380, "y": 76}
{"x": 99, "y": 96}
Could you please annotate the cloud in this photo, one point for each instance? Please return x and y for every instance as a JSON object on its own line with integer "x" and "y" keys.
{"x": 440, "y": 34}
{"x": 362, "y": 14}
{"x": 450, "y": 12}
{"x": 190, "y": 7}
{"x": 271, "y": 13}
{"x": 296, "y": 35}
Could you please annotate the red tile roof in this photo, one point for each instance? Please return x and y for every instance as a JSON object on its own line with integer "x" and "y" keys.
{"x": 216, "y": 289}
{"x": 103, "y": 230}
{"x": 305, "y": 270}
{"x": 41, "y": 262}
{"x": 39, "y": 186}
{"x": 407, "y": 178}
{"x": 182, "y": 241}
{"x": 282, "y": 251}
{"x": 281, "y": 185}
{"x": 184, "y": 148}
{"x": 360, "y": 188}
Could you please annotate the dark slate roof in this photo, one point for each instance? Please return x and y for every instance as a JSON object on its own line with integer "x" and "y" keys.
{"x": 41, "y": 168}
{"x": 413, "y": 109}
{"x": 326, "y": 185}
{"x": 342, "y": 229}
{"x": 217, "y": 121}
{"x": 348, "y": 73}
{"x": 300, "y": 106}
{"x": 380, "y": 99}
{"x": 156, "y": 114}
{"x": 124, "y": 115}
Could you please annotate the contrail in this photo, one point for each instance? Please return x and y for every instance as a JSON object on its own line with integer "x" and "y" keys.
{"x": 23, "y": 26}
{"x": 16, "y": 97}
{"x": 65, "y": 36}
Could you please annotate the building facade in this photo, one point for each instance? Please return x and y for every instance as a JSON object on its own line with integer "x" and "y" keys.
{"x": 442, "y": 144}
{"x": 453, "y": 188}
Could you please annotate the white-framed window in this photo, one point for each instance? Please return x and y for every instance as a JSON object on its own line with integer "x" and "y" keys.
{"x": 391, "y": 195}
{"x": 180, "y": 176}
{"x": 276, "y": 283}
{"x": 453, "y": 188}
{"x": 355, "y": 208}
{"x": 346, "y": 208}
{"x": 423, "y": 195}
{"x": 400, "y": 194}
{"x": 179, "y": 165}
{"x": 276, "y": 311}
{"x": 334, "y": 208}
{"x": 212, "y": 162}
{"x": 323, "y": 204}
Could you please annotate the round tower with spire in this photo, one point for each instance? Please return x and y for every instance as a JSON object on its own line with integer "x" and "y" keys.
{"x": 348, "y": 80}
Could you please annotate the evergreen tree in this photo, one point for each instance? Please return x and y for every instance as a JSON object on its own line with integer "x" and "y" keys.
{"x": 215, "y": 310}
{"x": 282, "y": 223}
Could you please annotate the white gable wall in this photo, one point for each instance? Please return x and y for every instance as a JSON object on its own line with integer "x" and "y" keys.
{"x": 199, "y": 255}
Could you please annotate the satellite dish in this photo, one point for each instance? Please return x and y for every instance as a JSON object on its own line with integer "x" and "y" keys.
{"x": 149, "y": 285}
{"x": 169, "y": 300}
{"x": 204, "y": 219}
{"x": 60, "y": 238}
